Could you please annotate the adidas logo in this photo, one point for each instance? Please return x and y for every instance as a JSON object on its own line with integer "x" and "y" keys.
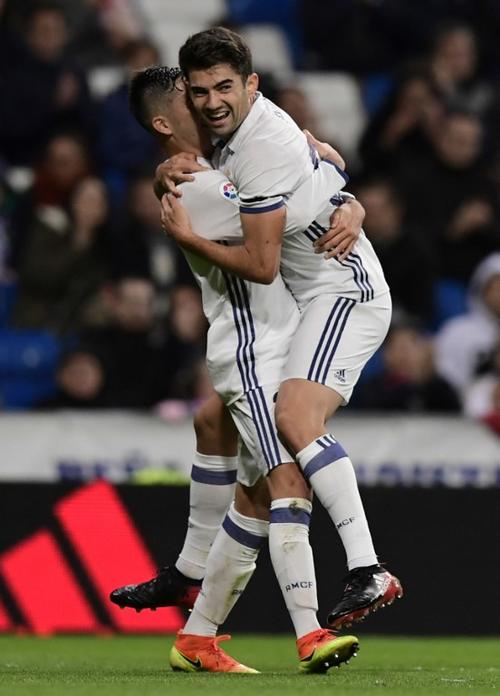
{"x": 59, "y": 578}
{"x": 339, "y": 375}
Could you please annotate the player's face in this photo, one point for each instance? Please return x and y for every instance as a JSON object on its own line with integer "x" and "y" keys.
{"x": 221, "y": 97}
{"x": 187, "y": 133}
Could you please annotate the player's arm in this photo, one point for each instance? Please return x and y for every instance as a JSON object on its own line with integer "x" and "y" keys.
{"x": 346, "y": 221}
{"x": 345, "y": 227}
{"x": 173, "y": 171}
{"x": 257, "y": 259}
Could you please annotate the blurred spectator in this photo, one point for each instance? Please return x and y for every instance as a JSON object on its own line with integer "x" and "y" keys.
{"x": 45, "y": 90}
{"x": 80, "y": 382}
{"x": 405, "y": 126}
{"x": 64, "y": 164}
{"x": 120, "y": 21}
{"x": 482, "y": 397}
{"x": 408, "y": 265}
{"x": 465, "y": 344}
{"x": 65, "y": 262}
{"x": 294, "y": 101}
{"x": 185, "y": 348}
{"x": 453, "y": 63}
{"x": 450, "y": 196}
{"x": 353, "y": 36}
{"x": 142, "y": 248}
{"x": 118, "y": 365}
{"x": 101, "y": 29}
{"x": 408, "y": 381}
{"x": 365, "y": 37}
{"x": 123, "y": 145}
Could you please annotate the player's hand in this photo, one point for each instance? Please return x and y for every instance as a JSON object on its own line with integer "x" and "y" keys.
{"x": 325, "y": 151}
{"x": 175, "y": 220}
{"x": 175, "y": 170}
{"x": 345, "y": 227}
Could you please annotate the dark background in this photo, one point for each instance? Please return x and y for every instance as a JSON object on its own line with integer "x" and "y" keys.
{"x": 442, "y": 543}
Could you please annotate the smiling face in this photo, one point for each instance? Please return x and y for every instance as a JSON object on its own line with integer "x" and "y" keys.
{"x": 222, "y": 97}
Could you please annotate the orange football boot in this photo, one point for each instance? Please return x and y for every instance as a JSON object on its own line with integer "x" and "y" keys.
{"x": 191, "y": 653}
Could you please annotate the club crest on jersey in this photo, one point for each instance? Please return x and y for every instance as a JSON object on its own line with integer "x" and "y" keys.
{"x": 228, "y": 190}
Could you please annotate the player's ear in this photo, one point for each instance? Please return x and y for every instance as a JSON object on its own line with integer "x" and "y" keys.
{"x": 161, "y": 125}
{"x": 252, "y": 84}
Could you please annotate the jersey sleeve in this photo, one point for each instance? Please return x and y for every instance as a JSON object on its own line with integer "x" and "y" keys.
{"x": 212, "y": 204}
{"x": 266, "y": 175}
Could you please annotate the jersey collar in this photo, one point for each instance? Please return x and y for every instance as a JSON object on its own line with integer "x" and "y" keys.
{"x": 246, "y": 125}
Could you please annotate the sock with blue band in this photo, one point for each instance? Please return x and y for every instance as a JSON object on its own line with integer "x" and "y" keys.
{"x": 331, "y": 474}
{"x": 230, "y": 565}
{"x": 292, "y": 560}
{"x": 211, "y": 492}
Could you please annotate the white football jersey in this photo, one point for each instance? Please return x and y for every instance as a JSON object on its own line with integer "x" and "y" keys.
{"x": 251, "y": 325}
{"x": 267, "y": 158}
{"x": 360, "y": 277}
{"x": 271, "y": 164}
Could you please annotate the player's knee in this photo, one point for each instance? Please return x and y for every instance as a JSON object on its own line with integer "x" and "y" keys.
{"x": 204, "y": 422}
{"x": 253, "y": 501}
{"x": 215, "y": 430}
{"x": 284, "y": 420}
{"x": 289, "y": 426}
{"x": 287, "y": 481}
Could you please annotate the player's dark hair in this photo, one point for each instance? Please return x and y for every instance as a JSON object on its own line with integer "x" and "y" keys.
{"x": 147, "y": 87}
{"x": 213, "y": 47}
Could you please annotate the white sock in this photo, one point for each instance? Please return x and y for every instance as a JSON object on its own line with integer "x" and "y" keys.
{"x": 292, "y": 560}
{"x": 230, "y": 565}
{"x": 211, "y": 492}
{"x": 331, "y": 474}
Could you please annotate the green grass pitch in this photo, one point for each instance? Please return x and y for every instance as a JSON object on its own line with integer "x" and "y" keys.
{"x": 123, "y": 666}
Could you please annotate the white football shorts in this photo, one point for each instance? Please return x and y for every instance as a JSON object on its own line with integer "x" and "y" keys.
{"x": 259, "y": 448}
{"x": 335, "y": 339}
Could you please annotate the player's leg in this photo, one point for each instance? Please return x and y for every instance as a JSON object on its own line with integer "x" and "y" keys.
{"x": 230, "y": 565}
{"x": 232, "y": 558}
{"x": 325, "y": 463}
{"x": 213, "y": 478}
{"x": 212, "y": 487}
{"x": 293, "y": 564}
{"x": 289, "y": 546}
{"x": 330, "y": 352}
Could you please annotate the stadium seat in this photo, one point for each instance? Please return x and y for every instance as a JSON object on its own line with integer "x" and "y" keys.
{"x": 205, "y": 12}
{"x": 25, "y": 352}
{"x": 281, "y": 13}
{"x": 20, "y": 393}
{"x": 337, "y": 103}
{"x": 270, "y": 49}
{"x": 104, "y": 79}
{"x": 450, "y": 300}
{"x": 28, "y": 360}
{"x": 376, "y": 88}
{"x": 169, "y": 36}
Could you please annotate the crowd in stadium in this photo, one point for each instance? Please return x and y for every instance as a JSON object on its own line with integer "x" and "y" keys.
{"x": 97, "y": 306}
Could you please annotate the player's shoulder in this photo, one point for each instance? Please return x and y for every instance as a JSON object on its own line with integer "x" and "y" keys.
{"x": 210, "y": 187}
{"x": 272, "y": 148}
{"x": 268, "y": 123}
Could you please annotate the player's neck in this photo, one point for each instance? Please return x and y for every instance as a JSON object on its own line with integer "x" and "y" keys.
{"x": 175, "y": 148}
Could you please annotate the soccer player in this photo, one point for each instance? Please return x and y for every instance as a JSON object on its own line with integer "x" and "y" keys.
{"x": 344, "y": 301}
{"x": 250, "y": 330}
